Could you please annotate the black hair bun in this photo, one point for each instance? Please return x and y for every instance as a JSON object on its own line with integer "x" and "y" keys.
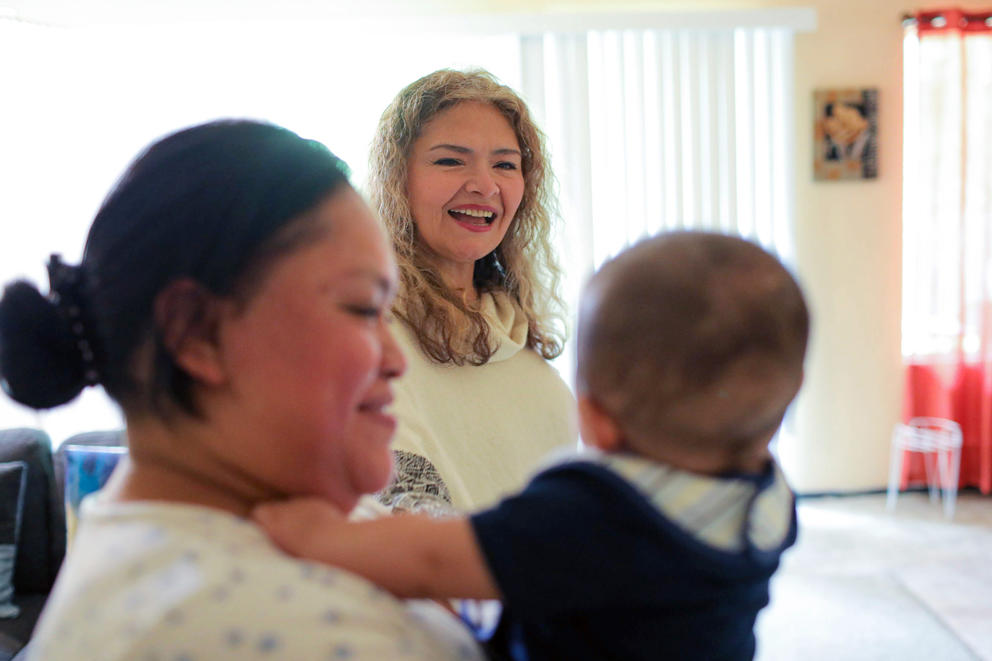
{"x": 40, "y": 364}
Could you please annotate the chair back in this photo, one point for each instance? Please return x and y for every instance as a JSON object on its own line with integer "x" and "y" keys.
{"x": 113, "y": 438}
{"x": 41, "y": 543}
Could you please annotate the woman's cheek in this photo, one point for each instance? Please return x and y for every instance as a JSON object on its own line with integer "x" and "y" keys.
{"x": 364, "y": 357}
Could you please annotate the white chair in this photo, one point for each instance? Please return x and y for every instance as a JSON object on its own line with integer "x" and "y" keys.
{"x": 939, "y": 441}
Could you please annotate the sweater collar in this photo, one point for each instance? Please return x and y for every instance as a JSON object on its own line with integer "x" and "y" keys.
{"x": 507, "y": 322}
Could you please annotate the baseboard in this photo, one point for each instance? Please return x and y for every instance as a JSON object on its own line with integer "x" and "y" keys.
{"x": 812, "y": 495}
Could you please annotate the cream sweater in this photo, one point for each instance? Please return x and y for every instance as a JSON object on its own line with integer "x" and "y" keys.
{"x": 483, "y": 427}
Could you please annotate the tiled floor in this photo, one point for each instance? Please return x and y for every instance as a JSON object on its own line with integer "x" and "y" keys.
{"x": 865, "y": 584}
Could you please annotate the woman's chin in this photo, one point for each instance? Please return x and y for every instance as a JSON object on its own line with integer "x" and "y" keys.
{"x": 374, "y": 478}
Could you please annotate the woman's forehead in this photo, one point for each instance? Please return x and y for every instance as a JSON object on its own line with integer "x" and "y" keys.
{"x": 470, "y": 117}
{"x": 352, "y": 243}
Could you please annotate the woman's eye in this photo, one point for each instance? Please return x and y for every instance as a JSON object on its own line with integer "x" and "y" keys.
{"x": 365, "y": 311}
{"x": 447, "y": 161}
{"x": 506, "y": 165}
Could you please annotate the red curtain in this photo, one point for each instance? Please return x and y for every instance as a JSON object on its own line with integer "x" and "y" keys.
{"x": 960, "y": 392}
{"x": 948, "y": 255}
{"x": 935, "y": 21}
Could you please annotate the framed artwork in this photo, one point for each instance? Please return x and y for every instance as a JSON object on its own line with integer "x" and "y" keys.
{"x": 845, "y": 134}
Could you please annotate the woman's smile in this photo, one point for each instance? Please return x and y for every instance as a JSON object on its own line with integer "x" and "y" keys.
{"x": 375, "y": 408}
{"x": 474, "y": 217}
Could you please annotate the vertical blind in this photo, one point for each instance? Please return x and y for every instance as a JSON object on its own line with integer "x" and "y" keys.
{"x": 665, "y": 129}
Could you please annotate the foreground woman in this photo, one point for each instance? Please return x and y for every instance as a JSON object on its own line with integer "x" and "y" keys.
{"x": 232, "y": 299}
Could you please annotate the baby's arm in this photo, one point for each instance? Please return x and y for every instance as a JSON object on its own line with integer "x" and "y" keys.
{"x": 410, "y": 555}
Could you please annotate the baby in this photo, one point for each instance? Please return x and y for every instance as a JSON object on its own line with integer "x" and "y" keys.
{"x": 660, "y": 540}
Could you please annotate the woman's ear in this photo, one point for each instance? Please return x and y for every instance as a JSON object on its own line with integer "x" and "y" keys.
{"x": 187, "y": 317}
{"x": 598, "y": 428}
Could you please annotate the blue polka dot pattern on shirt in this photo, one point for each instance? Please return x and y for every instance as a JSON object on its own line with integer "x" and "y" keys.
{"x": 269, "y": 642}
{"x": 341, "y": 652}
{"x": 154, "y": 536}
{"x": 134, "y": 600}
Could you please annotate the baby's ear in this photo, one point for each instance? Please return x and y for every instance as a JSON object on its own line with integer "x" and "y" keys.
{"x": 187, "y": 318}
{"x": 598, "y": 428}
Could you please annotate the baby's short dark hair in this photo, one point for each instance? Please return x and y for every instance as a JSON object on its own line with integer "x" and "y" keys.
{"x": 694, "y": 334}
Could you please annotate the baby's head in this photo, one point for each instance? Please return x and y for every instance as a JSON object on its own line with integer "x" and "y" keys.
{"x": 690, "y": 349}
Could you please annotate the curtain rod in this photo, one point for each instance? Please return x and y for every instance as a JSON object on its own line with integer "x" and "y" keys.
{"x": 938, "y": 20}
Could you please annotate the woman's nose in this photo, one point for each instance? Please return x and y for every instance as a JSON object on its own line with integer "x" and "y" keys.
{"x": 393, "y": 360}
{"x": 481, "y": 181}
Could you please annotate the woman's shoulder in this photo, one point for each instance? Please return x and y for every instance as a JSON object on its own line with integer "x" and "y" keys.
{"x": 192, "y": 581}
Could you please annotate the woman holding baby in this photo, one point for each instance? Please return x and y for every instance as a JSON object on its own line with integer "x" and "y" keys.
{"x": 233, "y": 298}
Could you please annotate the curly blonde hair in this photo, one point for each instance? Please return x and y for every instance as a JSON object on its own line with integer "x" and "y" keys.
{"x": 523, "y": 265}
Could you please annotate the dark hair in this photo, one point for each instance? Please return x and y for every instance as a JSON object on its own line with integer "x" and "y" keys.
{"x": 670, "y": 318}
{"x": 207, "y": 203}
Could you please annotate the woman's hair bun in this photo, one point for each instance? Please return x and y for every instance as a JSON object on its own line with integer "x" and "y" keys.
{"x": 40, "y": 364}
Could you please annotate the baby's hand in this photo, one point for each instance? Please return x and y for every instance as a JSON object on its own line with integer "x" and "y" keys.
{"x": 299, "y": 526}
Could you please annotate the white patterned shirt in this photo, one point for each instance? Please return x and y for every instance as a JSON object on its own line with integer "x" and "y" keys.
{"x": 170, "y": 582}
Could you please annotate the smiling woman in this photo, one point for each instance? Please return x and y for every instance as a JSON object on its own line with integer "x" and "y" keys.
{"x": 326, "y": 399}
{"x": 255, "y": 367}
{"x": 459, "y": 174}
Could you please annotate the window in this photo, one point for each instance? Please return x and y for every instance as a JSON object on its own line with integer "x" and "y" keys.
{"x": 681, "y": 127}
{"x": 947, "y": 197}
